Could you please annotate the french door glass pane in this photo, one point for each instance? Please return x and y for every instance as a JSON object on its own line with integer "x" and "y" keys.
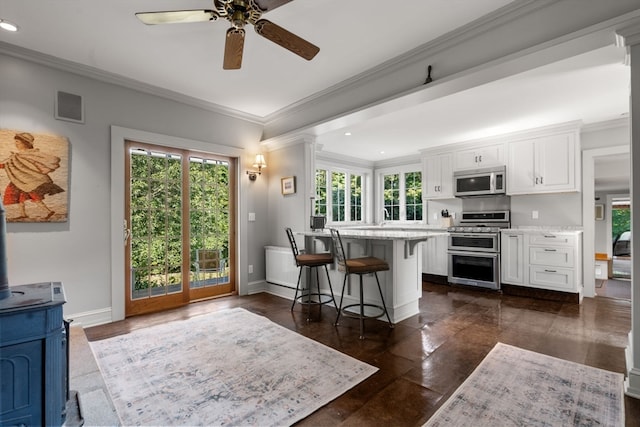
{"x": 156, "y": 223}
{"x": 209, "y": 196}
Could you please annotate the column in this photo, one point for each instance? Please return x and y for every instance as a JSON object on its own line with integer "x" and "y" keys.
{"x": 631, "y": 35}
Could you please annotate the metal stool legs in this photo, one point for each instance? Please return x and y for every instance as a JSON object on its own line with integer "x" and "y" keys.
{"x": 361, "y": 316}
{"x": 308, "y": 301}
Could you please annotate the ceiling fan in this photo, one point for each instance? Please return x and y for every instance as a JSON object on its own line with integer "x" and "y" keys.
{"x": 239, "y": 13}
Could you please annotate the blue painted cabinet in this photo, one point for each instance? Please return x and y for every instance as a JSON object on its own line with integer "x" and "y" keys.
{"x": 33, "y": 352}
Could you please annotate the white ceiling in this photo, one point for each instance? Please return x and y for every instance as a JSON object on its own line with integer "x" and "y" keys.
{"x": 353, "y": 36}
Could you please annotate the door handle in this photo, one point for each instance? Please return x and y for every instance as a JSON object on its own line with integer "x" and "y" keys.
{"x": 126, "y": 232}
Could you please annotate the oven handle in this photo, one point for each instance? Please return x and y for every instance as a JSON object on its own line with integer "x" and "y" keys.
{"x": 477, "y": 254}
{"x": 490, "y": 235}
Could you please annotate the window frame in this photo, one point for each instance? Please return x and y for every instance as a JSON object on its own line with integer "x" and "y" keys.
{"x": 402, "y": 171}
{"x": 365, "y": 194}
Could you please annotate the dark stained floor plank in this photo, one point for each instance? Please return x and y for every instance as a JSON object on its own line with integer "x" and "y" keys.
{"x": 426, "y": 357}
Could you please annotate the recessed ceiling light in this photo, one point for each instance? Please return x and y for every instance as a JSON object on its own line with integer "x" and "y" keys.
{"x": 8, "y": 26}
{"x": 347, "y": 134}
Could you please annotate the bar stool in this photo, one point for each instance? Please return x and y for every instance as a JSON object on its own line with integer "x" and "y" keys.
{"x": 312, "y": 261}
{"x": 359, "y": 266}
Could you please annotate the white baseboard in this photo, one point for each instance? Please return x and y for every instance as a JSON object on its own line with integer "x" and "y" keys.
{"x": 256, "y": 287}
{"x": 91, "y": 318}
{"x": 632, "y": 382}
{"x": 280, "y": 290}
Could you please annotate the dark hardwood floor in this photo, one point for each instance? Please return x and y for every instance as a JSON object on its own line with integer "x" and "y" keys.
{"x": 426, "y": 357}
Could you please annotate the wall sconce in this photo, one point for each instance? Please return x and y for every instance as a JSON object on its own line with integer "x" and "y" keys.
{"x": 258, "y": 163}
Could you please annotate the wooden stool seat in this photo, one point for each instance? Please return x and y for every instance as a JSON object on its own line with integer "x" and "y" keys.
{"x": 314, "y": 260}
{"x": 366, "y": 265}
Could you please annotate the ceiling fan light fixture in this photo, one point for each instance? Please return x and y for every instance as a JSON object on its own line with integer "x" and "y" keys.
{"x": 238, "y": 19}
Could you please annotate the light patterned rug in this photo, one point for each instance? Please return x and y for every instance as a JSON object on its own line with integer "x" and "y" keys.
{"x": 516, "y": 387}
{"x": 230, "y": 367}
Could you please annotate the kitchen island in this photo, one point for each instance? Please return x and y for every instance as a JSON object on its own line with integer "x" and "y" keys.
{"x": 401, "y": 248}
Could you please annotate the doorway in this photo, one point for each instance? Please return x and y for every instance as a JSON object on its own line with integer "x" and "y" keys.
{"x": 612, "y": 237}
{"x": 179, "y": 219}
{"x": 621, "y": 237}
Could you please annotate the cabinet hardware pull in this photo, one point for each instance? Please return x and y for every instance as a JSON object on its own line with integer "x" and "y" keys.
{"x": 549, "y": 236}
{"x": 476, "y": 159}
{"x": 549, "y": 250}
{"x": 541, "y": 180}
{"x": 550, "y": 271}
{"x": 536, "y": 180}
{"x": 480, "y": 159}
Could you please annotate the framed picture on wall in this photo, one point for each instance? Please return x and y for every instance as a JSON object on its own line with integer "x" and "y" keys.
{"x": 599, "y": 212}
{"x": 288, "y": 185}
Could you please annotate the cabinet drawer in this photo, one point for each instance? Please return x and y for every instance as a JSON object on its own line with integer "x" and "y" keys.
{"x": 551, "y": 239}
{"x": 552, "y": 257}
{"x": 561, "y": 279}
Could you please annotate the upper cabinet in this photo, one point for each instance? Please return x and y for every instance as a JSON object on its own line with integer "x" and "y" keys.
{"x": 480, "y": 157}
{"x": 439, "y": 177}
{"x": 547, "y": 164}
{"x": 542, "y": 160}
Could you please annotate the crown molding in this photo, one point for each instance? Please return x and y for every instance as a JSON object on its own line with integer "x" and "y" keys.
{"x": 342, "y": 160}
{"x": 421, "y": 53}
{"x": 287, "y": 140}
{"x": 606, "y": 124}
{"x": 630, "y": 33}
{"x": 112, "y": 78}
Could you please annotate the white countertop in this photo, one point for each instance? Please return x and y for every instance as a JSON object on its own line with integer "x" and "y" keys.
{"x": 573, "y": 230}
{"x": 378, "y": 233}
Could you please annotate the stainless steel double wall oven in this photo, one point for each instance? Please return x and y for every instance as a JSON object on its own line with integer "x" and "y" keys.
{"x": 474, "y": 249}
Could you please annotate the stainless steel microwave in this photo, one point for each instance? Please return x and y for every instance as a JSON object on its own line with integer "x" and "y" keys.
{"x": 480, "y": 182}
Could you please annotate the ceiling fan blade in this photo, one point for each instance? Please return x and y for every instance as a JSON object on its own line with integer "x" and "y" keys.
{"x": 267, "y": 5}
{"x": 177, "y": 16}
{"x": 286, "y": 39}
{"x": 233, "y": 49}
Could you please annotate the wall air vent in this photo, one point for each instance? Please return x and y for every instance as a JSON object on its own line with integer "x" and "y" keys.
{"x": 69, "y": 107}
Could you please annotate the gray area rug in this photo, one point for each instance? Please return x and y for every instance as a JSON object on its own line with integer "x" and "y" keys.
{"x": 516, "y": 387}
{"x": 230, "y": 367}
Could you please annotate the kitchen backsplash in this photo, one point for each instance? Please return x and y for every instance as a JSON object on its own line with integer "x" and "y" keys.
{"x": 553, "y": 210}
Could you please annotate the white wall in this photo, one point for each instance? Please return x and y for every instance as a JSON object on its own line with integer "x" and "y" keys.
{"x": 289, "y": 210}
{"x": 78, "y": 252}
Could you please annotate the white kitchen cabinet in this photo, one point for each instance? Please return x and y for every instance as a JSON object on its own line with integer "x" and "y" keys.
{"x": 543, "y": 165}
{"x": 552, "y": 257}
{"x": 512, "y": 257}
{"x": 556, "y": 279}
{"x": 481, "y": 157}
{"x": 435, "y": 259}
{"x": 554, "y": 261}
{"x": 542, "y": 259}
{"x": 439, "y": 177}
